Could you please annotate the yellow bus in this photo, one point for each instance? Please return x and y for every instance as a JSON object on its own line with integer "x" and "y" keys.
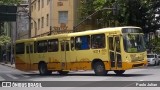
{"x": 109, "y": 49}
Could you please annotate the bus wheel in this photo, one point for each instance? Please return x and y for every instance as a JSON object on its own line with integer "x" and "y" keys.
{"x": 63, "y": 72}
{"x": 99, "y": 69}
{"x": 43, "y": 69}
{"x": 119, "y": 72}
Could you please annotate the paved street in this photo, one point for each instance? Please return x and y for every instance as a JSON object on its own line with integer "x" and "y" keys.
{"x": 151, "y": 73}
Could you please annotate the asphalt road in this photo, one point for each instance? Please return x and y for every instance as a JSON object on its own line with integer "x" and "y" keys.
{"x": 130, "y": 80}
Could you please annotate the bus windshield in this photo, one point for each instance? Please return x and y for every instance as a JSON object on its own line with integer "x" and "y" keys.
{"x": 133, "y": 43}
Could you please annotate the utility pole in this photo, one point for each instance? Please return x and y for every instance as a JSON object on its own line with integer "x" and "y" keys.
{"x": 51, "y": 17}
{"x": 29, "y": 31}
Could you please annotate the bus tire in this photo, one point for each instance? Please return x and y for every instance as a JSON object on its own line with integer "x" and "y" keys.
{"x": 63, "y": 72}
{"x": 43, "y": 69}
{"x": 119, "y": 72}
{"x": 99, "y": 69}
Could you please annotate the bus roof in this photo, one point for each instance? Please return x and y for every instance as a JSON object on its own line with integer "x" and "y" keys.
{"x": 88, "y": 32}
{"x": 25, "y": 40}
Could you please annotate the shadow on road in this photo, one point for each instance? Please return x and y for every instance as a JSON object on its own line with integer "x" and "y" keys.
{"x": 110, "y": 75}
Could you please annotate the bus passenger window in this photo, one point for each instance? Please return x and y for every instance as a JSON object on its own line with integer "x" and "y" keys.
{"x": 53, "y": 45}
{"x": 117, "y": 44}
{"x": 82, "y": 42}
{"x": 63, "y": 47}
{"x": 111, "y": 43}
{"x": 35, "y": 47}
{"x": 72, "y": 43}
{"x": 27, "y": 49}
{"x": 42, "y": 46}
{"x": 98, "y": 41}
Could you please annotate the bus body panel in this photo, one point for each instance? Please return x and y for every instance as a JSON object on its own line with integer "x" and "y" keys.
{"x": 74, "y": 59}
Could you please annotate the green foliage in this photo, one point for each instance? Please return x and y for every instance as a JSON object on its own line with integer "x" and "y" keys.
{"x": 4, "y": 40}
{"x": 155, "y": 45}
{"x": 129, "y": 13}
{"x": 9, "y": 2}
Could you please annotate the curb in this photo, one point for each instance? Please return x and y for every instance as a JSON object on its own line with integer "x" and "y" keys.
{"x": 7, "y": 65}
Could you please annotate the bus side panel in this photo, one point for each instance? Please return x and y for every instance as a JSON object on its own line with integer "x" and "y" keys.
{"x": 20, "y": 63}
{"x": 34, "y": 61}
{"x": 54, "y": 60}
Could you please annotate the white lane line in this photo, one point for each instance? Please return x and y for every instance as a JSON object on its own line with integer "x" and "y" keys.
{"x": 1, "y": 78}
{"x": 11, "y": 76}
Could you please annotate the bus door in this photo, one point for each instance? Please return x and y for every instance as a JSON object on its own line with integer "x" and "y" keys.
{"x": 29, "y": 55}
{"x": 64, "y": 54}
{"x": 115, "y": 52}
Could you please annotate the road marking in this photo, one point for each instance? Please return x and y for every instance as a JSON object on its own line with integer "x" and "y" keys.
{"x": 11, "y": 76}
{"x": 25, "y": 76}
{"x": 1, "y": 78}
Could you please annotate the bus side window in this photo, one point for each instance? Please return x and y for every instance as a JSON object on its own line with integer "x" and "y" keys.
{"x": 27, "y": 49}
{"x": 35, "y": 47}
{"x": 31, "y": 48}
{"x": 63, "y": 46}
{"x": 53, "y": 45}
{"x": 117, "y": 44}
{"x": 82, "y": 42}
{"x": 72, "y": 43}
{"x": 98, "y": 41}
{"x": 111, "y": 43}
{"x": 42, "y": 46}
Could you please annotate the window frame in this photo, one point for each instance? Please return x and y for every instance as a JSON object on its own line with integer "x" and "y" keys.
{"x": 82, "y": 45}
{"x": 97, "y": 45}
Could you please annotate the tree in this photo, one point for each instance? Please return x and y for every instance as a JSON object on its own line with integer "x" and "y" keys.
{"x": 9, "y": 2}
{"x": 4, "y": 39}
{"x": 128, "y": 12}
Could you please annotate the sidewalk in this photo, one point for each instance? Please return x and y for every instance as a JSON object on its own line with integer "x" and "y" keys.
{"x": 8, "y": 64}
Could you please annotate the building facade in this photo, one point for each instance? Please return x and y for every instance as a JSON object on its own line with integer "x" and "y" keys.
{"x": 22, "y": 23}
{"x": 53, "y": 16}
{"x": 18, "y": 29}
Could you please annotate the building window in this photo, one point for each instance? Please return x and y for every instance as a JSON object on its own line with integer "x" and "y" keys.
{"x": 47, "y": 23}
{"x": 35, "y": 25}
{"x": 48, "y": 2}
{"x": 63, "y": 16}
{"x": 42, "y": 3}
{"x": 38, "y": 4}
{"x": 35, "y": 5}
{"x": 38, "y": 24}
{"x": 32, "y": 8}
{"x": 42, "y": 23}
{"x": 31, "y": 25}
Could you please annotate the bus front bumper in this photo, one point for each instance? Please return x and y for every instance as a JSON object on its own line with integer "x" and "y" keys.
{"x": 130, "y": 65}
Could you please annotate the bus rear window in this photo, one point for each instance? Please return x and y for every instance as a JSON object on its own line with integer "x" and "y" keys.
{"x": 20, "y": 48}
